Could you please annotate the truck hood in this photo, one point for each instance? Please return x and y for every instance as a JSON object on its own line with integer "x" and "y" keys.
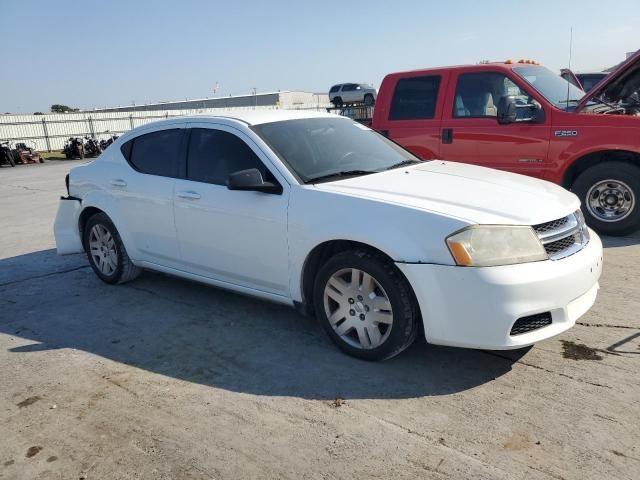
{"x": 476, "y": 195}
{"x": 620, "y": 84}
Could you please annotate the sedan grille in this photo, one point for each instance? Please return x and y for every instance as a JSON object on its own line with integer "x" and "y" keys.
{"x": 564, "y": 236}
{"x": 530, "y": 323}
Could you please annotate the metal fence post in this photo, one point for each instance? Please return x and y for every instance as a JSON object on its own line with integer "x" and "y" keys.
{"x": 131, "y": 120}
{"x": 46, "y": 135}
{"x": 93, "y": 133}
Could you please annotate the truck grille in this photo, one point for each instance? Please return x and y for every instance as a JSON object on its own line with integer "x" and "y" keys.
{"x": 530, "y": 323}
{"x": 564, "y": 236}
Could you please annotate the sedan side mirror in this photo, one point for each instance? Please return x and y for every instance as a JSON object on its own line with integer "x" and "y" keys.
{"x": 251, "y": 180}
{"x": 507, "y": 110}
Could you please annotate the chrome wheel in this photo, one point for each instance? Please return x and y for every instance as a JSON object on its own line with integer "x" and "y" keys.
{"x": 358, "y": 308}
{"x": 102, "y": 248}
{"x": 610, "y": 200}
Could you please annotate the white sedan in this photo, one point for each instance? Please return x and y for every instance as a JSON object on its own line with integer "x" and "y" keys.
{"x": 321, "y": 213}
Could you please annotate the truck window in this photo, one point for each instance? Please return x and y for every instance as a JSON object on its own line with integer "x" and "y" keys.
{"x": 415, "y": 98}
{"x": 477, "y": 94}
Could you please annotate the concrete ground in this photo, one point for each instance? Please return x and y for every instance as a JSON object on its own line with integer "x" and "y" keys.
{"x": 166, "y": 379}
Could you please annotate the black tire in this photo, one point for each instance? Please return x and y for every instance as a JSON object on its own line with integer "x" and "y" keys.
{"x": 12, "y": 161}
{"x": 68, "y": 155}
{"x": 405, "y": 309}
{"x": 369, "y": 100}
{"x": 125, "y": 270}
{"x": 618, "y": 171}
{"x": 337, "y": 102}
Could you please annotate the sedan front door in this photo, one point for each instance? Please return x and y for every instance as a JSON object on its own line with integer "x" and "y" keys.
{"x": 236, "y": 237}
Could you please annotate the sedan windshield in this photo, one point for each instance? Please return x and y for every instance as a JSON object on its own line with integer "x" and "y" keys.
{"x": 325, "y": 149}
{"x": 551, "y": 86}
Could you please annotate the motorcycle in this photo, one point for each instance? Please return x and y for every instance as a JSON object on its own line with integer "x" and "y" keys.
{"x": 92, "y": 147}
{"x": 73, "y": 148}
{"x": 105, "y": 143}
{"x": 6, "y": 156}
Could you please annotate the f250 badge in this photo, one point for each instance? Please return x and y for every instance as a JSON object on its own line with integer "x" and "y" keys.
{"x": 566, "y": 133}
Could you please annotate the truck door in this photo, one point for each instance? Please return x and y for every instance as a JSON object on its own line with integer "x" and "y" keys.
{"x": 411, "y": 112}
{"x": 471, "y": 133}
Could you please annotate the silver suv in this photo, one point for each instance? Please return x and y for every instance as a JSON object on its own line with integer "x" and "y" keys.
{"x": 352, "y": 94}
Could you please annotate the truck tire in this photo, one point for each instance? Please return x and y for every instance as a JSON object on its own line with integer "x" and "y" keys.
{"x": 368, "y": 100}
{"x": 107, "y": 256}
{"x": 365, "y": 305}
{"x": 337, "y": 102}
{"x": 610, "y": 196}
{"x": 12, "y": 161}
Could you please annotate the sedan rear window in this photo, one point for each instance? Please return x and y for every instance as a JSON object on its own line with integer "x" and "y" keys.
{"x": 156, "y": 153}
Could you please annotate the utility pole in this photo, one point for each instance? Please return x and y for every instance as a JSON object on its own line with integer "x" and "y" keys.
{"x": 255, "y": 98}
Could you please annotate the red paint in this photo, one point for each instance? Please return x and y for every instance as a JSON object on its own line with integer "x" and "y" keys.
{"x": 528, "y": 148}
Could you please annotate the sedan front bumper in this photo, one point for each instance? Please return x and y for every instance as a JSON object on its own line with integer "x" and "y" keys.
{"x": 476, "y": 307}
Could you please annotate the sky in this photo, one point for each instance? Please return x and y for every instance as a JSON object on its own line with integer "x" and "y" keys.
{"x": 93, "y": 54}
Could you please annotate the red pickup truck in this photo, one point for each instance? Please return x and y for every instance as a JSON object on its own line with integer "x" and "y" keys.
{"x": 522, "y": 117}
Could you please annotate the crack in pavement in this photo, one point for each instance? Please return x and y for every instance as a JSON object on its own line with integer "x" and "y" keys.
{"x": 22, "y": 187}
{"x": 59, "y": 272}
{"x": 606, "y": 325}
{"x": 537, "y": 367}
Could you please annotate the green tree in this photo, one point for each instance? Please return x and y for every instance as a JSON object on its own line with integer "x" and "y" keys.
{"x": 57, "y": 108}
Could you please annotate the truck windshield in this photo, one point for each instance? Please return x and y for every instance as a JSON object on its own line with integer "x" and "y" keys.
{"x": 327, "y": 148}
{"x": 553, "y": 87}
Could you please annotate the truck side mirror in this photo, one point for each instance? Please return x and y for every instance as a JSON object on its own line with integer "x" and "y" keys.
{"x": 507, "y": 110}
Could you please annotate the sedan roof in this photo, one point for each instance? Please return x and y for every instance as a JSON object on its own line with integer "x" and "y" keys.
{"x": 257, "y": 117}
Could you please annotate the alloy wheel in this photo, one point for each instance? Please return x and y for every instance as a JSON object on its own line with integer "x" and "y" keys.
{"x": 358, "y": 308}
{"x": 102, "y": 248}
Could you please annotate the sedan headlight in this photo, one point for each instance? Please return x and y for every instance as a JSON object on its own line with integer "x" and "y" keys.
{"x": 486, "y": 246}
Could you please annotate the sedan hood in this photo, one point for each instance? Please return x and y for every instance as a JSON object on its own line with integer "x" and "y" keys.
{"x": 623, "y": 82}
{"x": 474, "y": 194}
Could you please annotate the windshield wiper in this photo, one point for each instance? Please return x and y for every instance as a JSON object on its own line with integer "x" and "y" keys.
{"x": 403, "y": 163}
{"x": 346, "y": 173}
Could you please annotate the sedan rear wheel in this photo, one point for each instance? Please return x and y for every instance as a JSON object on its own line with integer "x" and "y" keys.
{"x": 106, "y": 252}
{"x": 365, "y": 305}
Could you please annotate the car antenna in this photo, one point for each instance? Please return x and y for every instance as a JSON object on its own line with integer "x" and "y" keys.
{"x": 570, "y": 55}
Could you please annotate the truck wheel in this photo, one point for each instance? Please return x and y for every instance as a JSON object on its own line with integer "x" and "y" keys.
{"x": 12, "y": 161}
{"x": 365, "y": 305}
{"x": 610, "y": 196}
{"x": 107, "y": 255}
{"x": 337, "y": 102}
{"x": 368, "y": 100}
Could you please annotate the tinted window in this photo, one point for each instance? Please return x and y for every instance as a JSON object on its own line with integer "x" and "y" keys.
{"x": 334, "y": 89}
{"x": 214, "y": 154}
{"x": 349, "y": 87}
{"x": 157, "y": 153}
{"x": 478, "y": 94}
{"x": 415, "y": 98}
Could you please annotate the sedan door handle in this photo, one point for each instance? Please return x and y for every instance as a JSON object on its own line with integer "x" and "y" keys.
{"x": 118, "y": 182}
{"x": 189, "y": 195}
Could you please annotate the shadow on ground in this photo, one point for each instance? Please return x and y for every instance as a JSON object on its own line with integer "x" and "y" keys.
{"x": 200, "y": 334}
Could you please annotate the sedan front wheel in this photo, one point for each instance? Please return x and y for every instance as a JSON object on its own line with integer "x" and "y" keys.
{"x": 365, "y": 305}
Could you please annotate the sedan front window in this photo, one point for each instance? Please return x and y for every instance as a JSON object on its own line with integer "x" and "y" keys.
{"x": 322, "y": 149}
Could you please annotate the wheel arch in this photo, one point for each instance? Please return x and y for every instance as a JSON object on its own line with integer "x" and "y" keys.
{"x": 590, "y": 159}
{"x": 318, "y": 255}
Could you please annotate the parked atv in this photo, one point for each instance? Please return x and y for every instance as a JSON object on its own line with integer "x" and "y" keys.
{"x": 23, "y": 154}
{"x": 74, "y": 148}
{"x": 6, "y": 156}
